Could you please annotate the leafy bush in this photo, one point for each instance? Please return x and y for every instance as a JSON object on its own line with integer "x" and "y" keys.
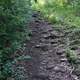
{"x": 14, "y": 14}
{"x": 66, "y": 11}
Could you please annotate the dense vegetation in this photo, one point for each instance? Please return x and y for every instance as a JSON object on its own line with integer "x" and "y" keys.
{"x": 14, "y": 15}
{"x": 60, "y": 10}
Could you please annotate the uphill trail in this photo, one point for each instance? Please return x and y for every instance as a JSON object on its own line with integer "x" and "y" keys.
{"x": 46, "y": 47}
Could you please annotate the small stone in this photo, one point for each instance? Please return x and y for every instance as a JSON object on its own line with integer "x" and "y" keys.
{"x": 40, "y": 45}
{"x": 50, "y": 50}
{"x": 60, "y": 69}
{"x": 45, "y": 53}
{"x": 63, "y": 55}
{"x": 50, "y": 67}
{"x": 44, "y": 47}
{"x": 42, "y": 40}
{"x": 37, "y": 46}
{"x": 60, "y": 52}
{"x": 63, "y": 60}
{"x": 46, "y": 36}
{"x": 56, "y": 68}
{"x": 41, "y": 76}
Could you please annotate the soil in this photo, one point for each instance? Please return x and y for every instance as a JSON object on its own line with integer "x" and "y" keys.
{"x": 46, "y": 47}
{"x": 47, "y": 50}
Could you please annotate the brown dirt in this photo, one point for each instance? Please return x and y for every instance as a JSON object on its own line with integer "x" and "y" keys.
{"x": 47, "y": 50}
{"x": 46, "y": 47}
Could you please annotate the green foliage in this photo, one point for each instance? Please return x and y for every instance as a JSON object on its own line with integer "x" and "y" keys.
{"x": 14, "y": 14}
{"x": 66, "y": 11}
{"x": 71, "y": 55}
{"x": 73, "y": 43}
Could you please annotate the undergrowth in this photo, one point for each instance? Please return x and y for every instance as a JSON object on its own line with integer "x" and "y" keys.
{"x": 59, "y": 10}
{"x": 14, "y": 15}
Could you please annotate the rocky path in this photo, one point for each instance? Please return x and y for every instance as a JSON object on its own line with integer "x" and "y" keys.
{"x": 47, "y": 50}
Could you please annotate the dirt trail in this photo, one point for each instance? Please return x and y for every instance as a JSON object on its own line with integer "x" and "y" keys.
{"x": 47, "y": 50}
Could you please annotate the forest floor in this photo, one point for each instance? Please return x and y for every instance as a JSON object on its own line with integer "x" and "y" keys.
{"x": 46, "y": 47}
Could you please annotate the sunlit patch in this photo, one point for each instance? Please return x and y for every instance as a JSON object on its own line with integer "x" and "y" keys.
{"x": 61, "y": 2}
{"x": 41, "y": 2}
{"x": 51, "y": 16}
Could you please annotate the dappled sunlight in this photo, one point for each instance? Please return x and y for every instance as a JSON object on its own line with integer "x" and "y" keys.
{"x": 39, "y": 5}
{"x": 51, "y": 16}
{"x": 61, "y": 2}
{"x": 58, "y": 9}
{"x": 41, "y": 2}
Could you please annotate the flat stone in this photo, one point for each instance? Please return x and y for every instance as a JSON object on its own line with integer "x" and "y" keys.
{"x": 60, "y": 69}
{"x": 49, "y": 67}
{"x": 63, "y": 60}
{"x": 41, "y": 45}
{"x": 42, "y": 40}
{"x": 55, "y": 33}
{"x": 44, "y": 47}
{"x": 41, "y": 76}
{"x": 60, "y": 52}
{"x": 46, "y": 36}
{"x": 45, "y": 53}
{"x": 50, "y": 51}
{"x": 63, "y": 55}
{"x": 56, "y": 68}
{"x": 37, "y": 46}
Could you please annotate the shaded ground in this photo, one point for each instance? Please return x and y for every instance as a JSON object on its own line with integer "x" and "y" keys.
{"x": 47, "y": 50}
